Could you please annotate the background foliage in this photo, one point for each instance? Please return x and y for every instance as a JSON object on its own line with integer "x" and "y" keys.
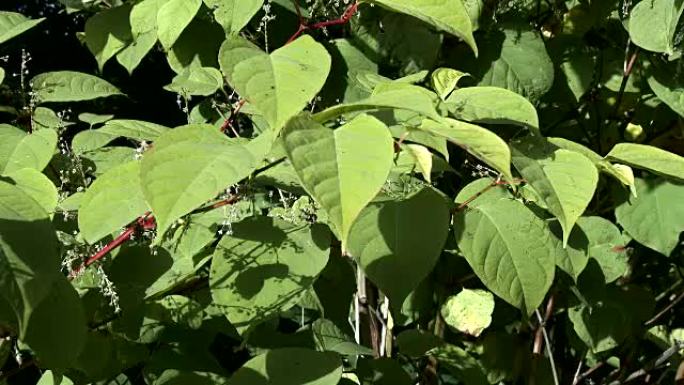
{"x": 314, "y": 192}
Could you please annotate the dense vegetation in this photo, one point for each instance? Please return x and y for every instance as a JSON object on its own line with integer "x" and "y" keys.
{"x": 390, "y": 192}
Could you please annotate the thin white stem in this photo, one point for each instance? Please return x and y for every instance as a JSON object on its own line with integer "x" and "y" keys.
{"x": 548, "y": 347}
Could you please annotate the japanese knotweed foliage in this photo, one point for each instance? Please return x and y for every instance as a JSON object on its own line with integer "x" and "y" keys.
{"x": 351, "y": 192}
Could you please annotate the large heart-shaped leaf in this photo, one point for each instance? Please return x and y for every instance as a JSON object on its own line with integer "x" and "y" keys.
{"x": 19, "y": 150}
{"x": 190, "y": 165}
{"x": 654, "y": 218}
{"x": 108, "y": 32}
{"x": 143, "y": 22}
{"x": 90, "y": 140}
{"x": 13, "y": 24}
{"x": 510, "y": 249}
{"x": 565, "y": 180}
{"x": 449, "y": 16}
{"x": 478, "y": 141}
{"x": 38, "y": 186}
{"x": 649, "y": 158}
{"x": 112, "y": 201}
{"x": 397, "y": 243}
{"x": 652, "y": 24}
{"x": 279, "y": 85}
{"x": 290, "y": 366}
{"x": 342, "y": 169}
{"x": 265, "y": 266}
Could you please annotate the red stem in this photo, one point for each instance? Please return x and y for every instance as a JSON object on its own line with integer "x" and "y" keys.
{"x": 303, "y": 25}
{"x": 146, "y": 222}
{"x": 228, "y": 123}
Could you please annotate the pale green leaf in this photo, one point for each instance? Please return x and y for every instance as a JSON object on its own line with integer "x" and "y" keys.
{"x": 513, "y": 59}
{"x": 619, "y": 172}
{"x": 131, "y": 56}
{"x": 69, "y": 86}
{"x": 13, "y": 24}
{"x": 485, "y": 190}
{"x": 445, "y": 80}
{"x": 19, "y": 150}
{"x": 143, "y": 21}
{"x": 138, "y": 130}
{"x": 197, "y": 46}
{"x": 510, "y": 249}
{"x": 398, "y": 243}
{"x": 108, "y": 32}
{"x": 2, "y": 75}
{"x": 649, "y": 158}
{"x": 330, "y": 338}
{"x": 449, "y": 16}
{"x": 94, "y": 119}
{"x": 173, "y": 18}
{"x": 202, "y": 81}
{"x": 478, "y": 141}
{"x": 668, "y": 87}
{"x": 278, "y": 85}
{"x": 565, "y": 180}
{"x": 469, "y": 311}
{"x": 290, "y": 366}
{"x": 233, "y": 15}
{"x": 387, "y": 96}
{"x": 264, "y": 267}
{"x": 114, "y": 200}
{"x": 652, "y": 24}
{"x": 492, "y": 105}
{"x": 28, "y": 253}
{"x": 342, "y": 169}
{"x": 656, "y": 217}
{"x": 36, "y": 185}
{"x": 50, "y": 378}
{"x": 190, "y": 165}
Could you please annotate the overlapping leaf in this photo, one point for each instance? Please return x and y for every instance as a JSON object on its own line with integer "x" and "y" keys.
{"x": 69, "y": 86}
{"x": 19, "y": 150}
{"x": 342, "y": 169}
{"x": 279, "y": 85}
{"x": 649, "y": 158}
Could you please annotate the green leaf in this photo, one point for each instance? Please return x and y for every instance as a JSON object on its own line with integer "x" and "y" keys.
{"x": 510, "y": 249}
{"x": 139, "y": 130}
{"x": 606, "y": 245}
{"x": 387, "y": 96}
{"x": 445, "y": 80}
{"x": 342, "y": 169}
{"x": 330, "y": 338}
{"x": 176, "y": 377}
{"x": 13, "y": 24}
{"x": 19, "y": 150}
{"x": 50, "y": 378}
{"x": 416, "y": 342}
{"x": 57, "y": 327}
{"x": 649, "y": 158}
{"x": 290, "y": 366}
{"x": 190, "y": 165}
{"x": 513, "y": 59}
{"x": 492, "y": 105}
{"x": 233, "y": 15}
{"x": 616, "y": 171}
{"x": 565, "y": 180}
{"x": 94, "y": 119}
{"x": 28, "y": 253}
{"x": 38, "y": 186}
{"x": 69, "y": 86}
{"x": 108, "y": 32}
{"x": 143, "y": 21}
{"x": 449, "y": 16}
{"x": 197, "y": 46}
{"x": 173, "y": 18}
{"x": 278, "y": 85}
{"x": 114, "y": 200}
{"x": 469, "y": 311}
{"x": 656, "y": 217}
{"x": 655, "y": 36}
{"x": 478, "y": 141}
{"x": 398, "y": 243}
{"x": 265, "y": 267}
{"x": 202, "y": 81}
{"x": 2, "y": 75}
{"x": 668, "y": 87}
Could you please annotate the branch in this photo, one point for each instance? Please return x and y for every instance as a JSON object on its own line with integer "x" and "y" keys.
{"x": 661, "y": 313}
{"x": 228, "y": 123}
{"x": 146, "y": 222}
{"x": 652, "y": 365}
{"x": 303, "y": 25}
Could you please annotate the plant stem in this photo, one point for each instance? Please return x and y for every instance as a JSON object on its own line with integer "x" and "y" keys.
{"x": 303, "y": 25}
{"x": 667, "y": 308}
